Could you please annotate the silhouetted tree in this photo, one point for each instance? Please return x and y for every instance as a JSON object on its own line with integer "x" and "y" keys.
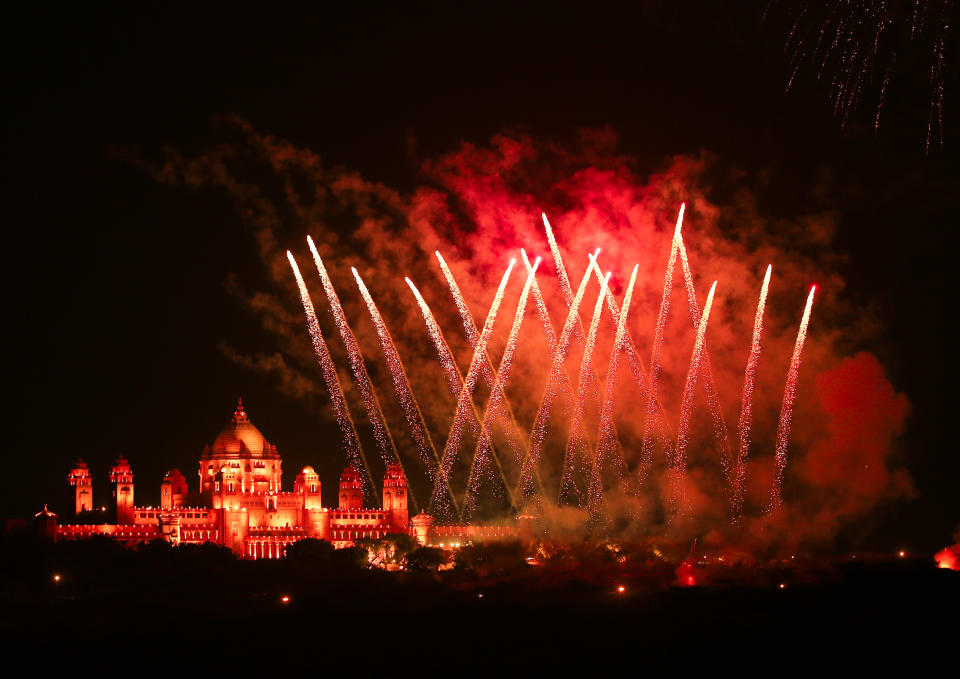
{"x": 310, "y": 551}
{"x": 392, "y": 548}
{"x": 492, "y": 556}
{"x": 351, "y": 556}
{"x": 425, "y": 559}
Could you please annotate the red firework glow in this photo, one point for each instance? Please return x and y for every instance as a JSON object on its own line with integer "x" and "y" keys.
{"x": 483, "y": 205}
{"x": 948, "y": 557}
{"x": 577, "y": 478}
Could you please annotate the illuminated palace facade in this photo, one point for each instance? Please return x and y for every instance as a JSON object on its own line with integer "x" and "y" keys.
{"x": 241, "y": 504}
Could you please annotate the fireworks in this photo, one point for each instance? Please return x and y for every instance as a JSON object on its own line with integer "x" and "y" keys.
{"x": 713, "y": 400}
{"x": 577, "y": 444}
{"x": 484, "y": 450}
{"x": 487, "y": 371}
{"x": 408, "y": 402}
{"x": 786, "y": 410}
{"x": 532, "y": 461}
{"x": 647, "y": 451}
{"x": 746, "y": 403}
{"x": 853, "y": 46}
{"x": 686, "y": 401}
{"x": 606, "y": 436}
{"x": 464, "y": 399}
{"x": 388, "y": 450}
{"x": 351, "y": 442}
{"x": 589, "y": 455}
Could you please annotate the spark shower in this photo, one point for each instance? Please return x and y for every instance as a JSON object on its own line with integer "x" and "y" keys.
{"x": 487, "y": 449}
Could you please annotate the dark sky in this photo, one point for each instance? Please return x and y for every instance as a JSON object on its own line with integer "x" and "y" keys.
{"x": 116, "y": 300}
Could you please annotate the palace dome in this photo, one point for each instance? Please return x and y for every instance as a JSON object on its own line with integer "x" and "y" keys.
{"x": 240, "y": 437}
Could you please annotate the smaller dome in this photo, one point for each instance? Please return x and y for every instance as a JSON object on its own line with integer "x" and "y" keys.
{"x": 422, "y": 519}
{"x": 308, "y": 470}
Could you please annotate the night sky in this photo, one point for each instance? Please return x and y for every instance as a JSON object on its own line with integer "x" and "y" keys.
{"x": 117, "y": 302}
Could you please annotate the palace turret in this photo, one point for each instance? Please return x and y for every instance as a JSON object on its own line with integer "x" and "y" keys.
{"x": 79, "y": 478}
{"x": 351, "y": 489}
{"x": 121, "y": 476}
{"x": 395, "y": 497}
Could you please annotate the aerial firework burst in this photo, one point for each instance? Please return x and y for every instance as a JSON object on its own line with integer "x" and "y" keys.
{"x": 857, "y": 47}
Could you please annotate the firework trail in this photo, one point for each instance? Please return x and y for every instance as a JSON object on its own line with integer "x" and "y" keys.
{"x": 636, "y": 364}
{"x": 786, "y": 410}
{"x": 388, "y": 450}
{"x": 447, "y": 363}
{"x": 351, "y": 442}
{"x": 408, "y": 402}
{"x": 444, "y": 355}
{"x": 465, "y": 397}
{"x": 558, "y": 263}
{"x": 487, "y": 371}
{"x": 646, "y": 452}
{"x": 530, "y": 467}
{"x": 606, "y": 432}
{"x": 746, "y": 405}
{"x": 686, "y": 401}
{"x": 548, "y": 333}
{"x": 484, "y": 448}
{"x": 578, "y": 332}
{"x": 564, "y": 386}
{"x": 709, "y": 387}
{"x": 576, "y": 453}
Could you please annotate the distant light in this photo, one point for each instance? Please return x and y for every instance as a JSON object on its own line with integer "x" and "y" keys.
{"x": 621, "y": 589}
{"x": 480, "y": 596}
{"x": 902, "y": 554}
{"x": 56, "y": 578}
{"x": 783, "y": 585}
{"x": 285, "y": 599}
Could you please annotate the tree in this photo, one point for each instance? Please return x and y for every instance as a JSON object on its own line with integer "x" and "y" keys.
{"x": 492, "y": 556}
{"x": 425, "y": 559}
{"x": 357, "y": 557}
{"x": 310, "y": 551}
{"x": 391, "y": 549}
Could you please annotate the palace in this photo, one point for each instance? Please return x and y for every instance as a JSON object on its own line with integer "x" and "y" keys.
{"x": 241, "y": 504}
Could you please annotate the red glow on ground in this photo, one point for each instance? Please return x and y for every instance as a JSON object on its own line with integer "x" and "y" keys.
{"x": 948, "y": 558}
{"x": 685, "y": 575}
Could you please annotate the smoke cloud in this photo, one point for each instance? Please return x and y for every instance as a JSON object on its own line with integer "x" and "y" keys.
{"x": 478, "y": 205}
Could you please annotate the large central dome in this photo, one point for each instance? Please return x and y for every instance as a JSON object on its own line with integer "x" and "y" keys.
{"x": 241, "y": 439}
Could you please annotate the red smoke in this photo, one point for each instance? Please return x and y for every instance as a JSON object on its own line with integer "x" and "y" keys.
{"x": 479, "y": 204}
{"x": 948, "y": 557}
